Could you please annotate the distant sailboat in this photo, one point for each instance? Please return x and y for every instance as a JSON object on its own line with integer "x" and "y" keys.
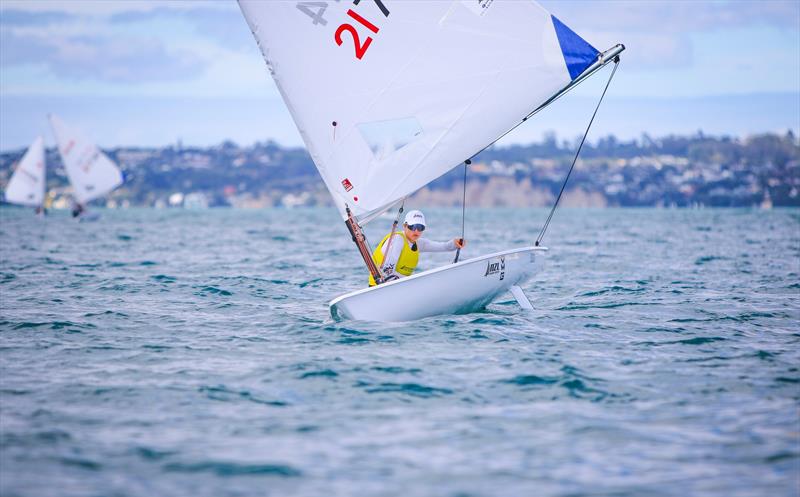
{"x": 389, "y": 95}
{"x": 27, "y": 185}
{"x": 91, "y": 173}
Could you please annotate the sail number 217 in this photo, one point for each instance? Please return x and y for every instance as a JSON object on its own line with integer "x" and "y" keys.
{"x": 316, "y": 11}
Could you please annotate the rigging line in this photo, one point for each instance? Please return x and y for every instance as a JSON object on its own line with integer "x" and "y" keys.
{"x": 577, "y": 153}
{"x": 583, "y": 77}
{"x": 447, "y": 132}
{"x": 531, "y": 114}
{"x": 463, "y": 208}
{"x": 391, "y": 236}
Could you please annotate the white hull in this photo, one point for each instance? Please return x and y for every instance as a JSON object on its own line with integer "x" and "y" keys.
{"x": 459, "y": 288}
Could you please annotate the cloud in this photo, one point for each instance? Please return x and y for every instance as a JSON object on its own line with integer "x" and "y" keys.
{"x": 16, "y": 17}
{"x": 190, "y": 47}
{"x": 164, "y": 48}
{"x": 102, "y": 58}
{"x": 58, "y": 38}
{"x": 649, "y": 50}
{"x": 675, "y": 16}
{"x": 225, "y": 26}
{"x": 94, "y": 8}
{"x": 131, "y": 16}
{"x": 659, "y": 33}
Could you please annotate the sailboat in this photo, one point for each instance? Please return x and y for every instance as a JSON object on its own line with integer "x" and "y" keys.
{"x": 27, "y": 184}
{"x": 388, "y": 95}
{"x": 91, "y": 173}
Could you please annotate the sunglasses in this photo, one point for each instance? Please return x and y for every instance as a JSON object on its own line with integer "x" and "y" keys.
{"x": 417, "y": 227}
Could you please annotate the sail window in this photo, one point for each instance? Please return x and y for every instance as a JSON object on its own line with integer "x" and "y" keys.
{"x": 386, "y": 137}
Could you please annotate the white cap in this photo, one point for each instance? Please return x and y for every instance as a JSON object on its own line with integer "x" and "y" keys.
{"x": 415, "y": 217}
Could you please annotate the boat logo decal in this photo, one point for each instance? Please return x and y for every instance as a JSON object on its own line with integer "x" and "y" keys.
{"x": 496, "y": 266}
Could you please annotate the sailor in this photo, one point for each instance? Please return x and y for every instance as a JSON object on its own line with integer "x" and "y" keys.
{"x": 77, "y": 209}
{"x": 405, "y": 248}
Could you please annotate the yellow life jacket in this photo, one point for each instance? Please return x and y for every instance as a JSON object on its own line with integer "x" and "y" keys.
{"x": 405, "y": 264}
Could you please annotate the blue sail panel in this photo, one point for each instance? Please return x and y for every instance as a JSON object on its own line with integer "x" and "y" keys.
{"x": 578, "y": 53}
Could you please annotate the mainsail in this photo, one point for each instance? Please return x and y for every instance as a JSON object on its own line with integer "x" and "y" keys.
{"x": 27, "y": 185}
{"x": 91, "y": 173}
{"x": 388, "y": 95}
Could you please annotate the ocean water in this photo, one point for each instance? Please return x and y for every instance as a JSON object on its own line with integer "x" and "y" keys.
{"x": 172, "y": 353}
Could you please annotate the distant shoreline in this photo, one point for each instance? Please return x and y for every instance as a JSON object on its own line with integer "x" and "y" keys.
{"x": 674, "y": 171}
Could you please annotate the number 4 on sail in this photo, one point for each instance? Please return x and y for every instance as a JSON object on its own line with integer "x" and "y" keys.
{"x": 390, "y": 95}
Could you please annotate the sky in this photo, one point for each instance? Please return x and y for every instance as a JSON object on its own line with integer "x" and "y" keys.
{"x": 152, "y": 73}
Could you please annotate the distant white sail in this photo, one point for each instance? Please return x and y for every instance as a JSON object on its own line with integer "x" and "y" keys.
{"x": 27, "y": 185}
{"x": 388, "y": 95}
{"x": 91, "y": 173}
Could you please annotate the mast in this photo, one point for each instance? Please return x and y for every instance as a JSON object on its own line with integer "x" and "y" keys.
{"x": 361, "y": 242}
{"x": 426, "y": 85}
{"x": 408, "y": 104}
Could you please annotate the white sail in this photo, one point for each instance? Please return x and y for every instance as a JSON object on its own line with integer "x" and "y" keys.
{"x": 388, "y": 95}
{"x": 91, "y": 173}
{"x": 27, "y": 185}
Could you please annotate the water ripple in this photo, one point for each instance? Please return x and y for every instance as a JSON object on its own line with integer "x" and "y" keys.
{"x": 183, "y": 352}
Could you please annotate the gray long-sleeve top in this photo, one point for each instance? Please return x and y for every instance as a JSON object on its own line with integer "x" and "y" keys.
{"x": 423, "y": 245}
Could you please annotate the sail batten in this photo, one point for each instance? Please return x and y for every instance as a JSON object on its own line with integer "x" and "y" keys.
{"x": 447, "y": 132}
{"x": 415, "y": 88}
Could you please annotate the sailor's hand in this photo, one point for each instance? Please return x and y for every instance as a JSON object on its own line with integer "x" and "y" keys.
{"x": 391, "y": 277}
{"x": 460, "y": 242}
